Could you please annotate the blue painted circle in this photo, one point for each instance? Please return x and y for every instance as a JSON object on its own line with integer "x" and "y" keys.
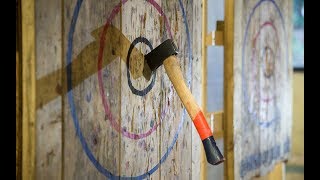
{"x": 83, "y": 142}
{"x": 253, "y": 115}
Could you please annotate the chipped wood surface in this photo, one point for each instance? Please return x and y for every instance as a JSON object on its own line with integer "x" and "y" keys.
{"x": 102, "y": 141}
{"x": 90, "y": 125}
{"x": 140, "y": 114}
{"x": 196, "y": 35}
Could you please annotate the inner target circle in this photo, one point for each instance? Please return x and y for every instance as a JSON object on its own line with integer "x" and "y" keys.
{"x": 268, "y": 62}
{"x": 135, "y": 91}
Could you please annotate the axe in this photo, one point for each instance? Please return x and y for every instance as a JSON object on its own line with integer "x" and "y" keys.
{"x": 165, "y": 54}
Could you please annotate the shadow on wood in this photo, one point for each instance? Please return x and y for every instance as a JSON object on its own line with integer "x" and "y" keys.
{"x": 86, "y": 64}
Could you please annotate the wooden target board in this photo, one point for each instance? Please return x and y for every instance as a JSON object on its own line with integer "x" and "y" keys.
{"x": 262, "y": 91}
{"x": 103, "y": 120}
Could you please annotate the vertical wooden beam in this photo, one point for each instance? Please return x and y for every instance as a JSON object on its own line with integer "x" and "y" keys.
{"x": 228, "y": 90}
{"x": 203, "y": 162}
{"x": 18, "y": 92}
{"x": 28, "y": 89}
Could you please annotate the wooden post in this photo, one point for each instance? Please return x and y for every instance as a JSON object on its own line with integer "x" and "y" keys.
{"x": 228, "y": 90}
{"x": 28, "y": 89}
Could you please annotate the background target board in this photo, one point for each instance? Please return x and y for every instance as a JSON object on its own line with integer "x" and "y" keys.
{"x": 117, "y": 124}
{"x": 262, "y": 82}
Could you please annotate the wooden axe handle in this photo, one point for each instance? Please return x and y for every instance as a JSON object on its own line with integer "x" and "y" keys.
{"x": 172, "y": 67}
{"x": 174, "y": 73}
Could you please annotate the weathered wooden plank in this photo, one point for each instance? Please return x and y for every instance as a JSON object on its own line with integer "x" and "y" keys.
{"x": 191, "y": 67}
{"x": 48, "y": 147}
{"x": 178, "y": 164}
{"x": 48, "y": 59}
{"x": 28, "y": 89}
{"x": 140, "y": 108}
{"x": 93, "y": 98}
{"x": 197, "y": 154}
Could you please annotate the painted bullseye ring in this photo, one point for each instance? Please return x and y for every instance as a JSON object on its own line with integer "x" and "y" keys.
{"x": 83, "y": 141}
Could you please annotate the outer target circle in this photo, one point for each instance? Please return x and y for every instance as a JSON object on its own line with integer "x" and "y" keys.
{"x": 245, "y": 95}
{"x": 83, "y": 142}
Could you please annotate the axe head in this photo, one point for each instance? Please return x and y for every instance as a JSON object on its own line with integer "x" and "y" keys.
{"x": 155, "y": 58}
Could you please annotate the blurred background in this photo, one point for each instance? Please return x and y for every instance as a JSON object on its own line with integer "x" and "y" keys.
{"x": 295, "y": 165}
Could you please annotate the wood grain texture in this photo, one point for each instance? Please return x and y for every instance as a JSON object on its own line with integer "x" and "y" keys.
{"x": 102, "y": 140}
{"x": 197, "y": 153}
{"x": 28, "y": 89}
{"x": 178, "y": 163}
{"x": 47, "y": 86}
{"x": 49, "y": 118}
{"x": 140, "y": 114}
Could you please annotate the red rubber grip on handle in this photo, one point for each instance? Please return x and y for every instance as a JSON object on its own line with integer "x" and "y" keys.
{"x": 202, "y": 126}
